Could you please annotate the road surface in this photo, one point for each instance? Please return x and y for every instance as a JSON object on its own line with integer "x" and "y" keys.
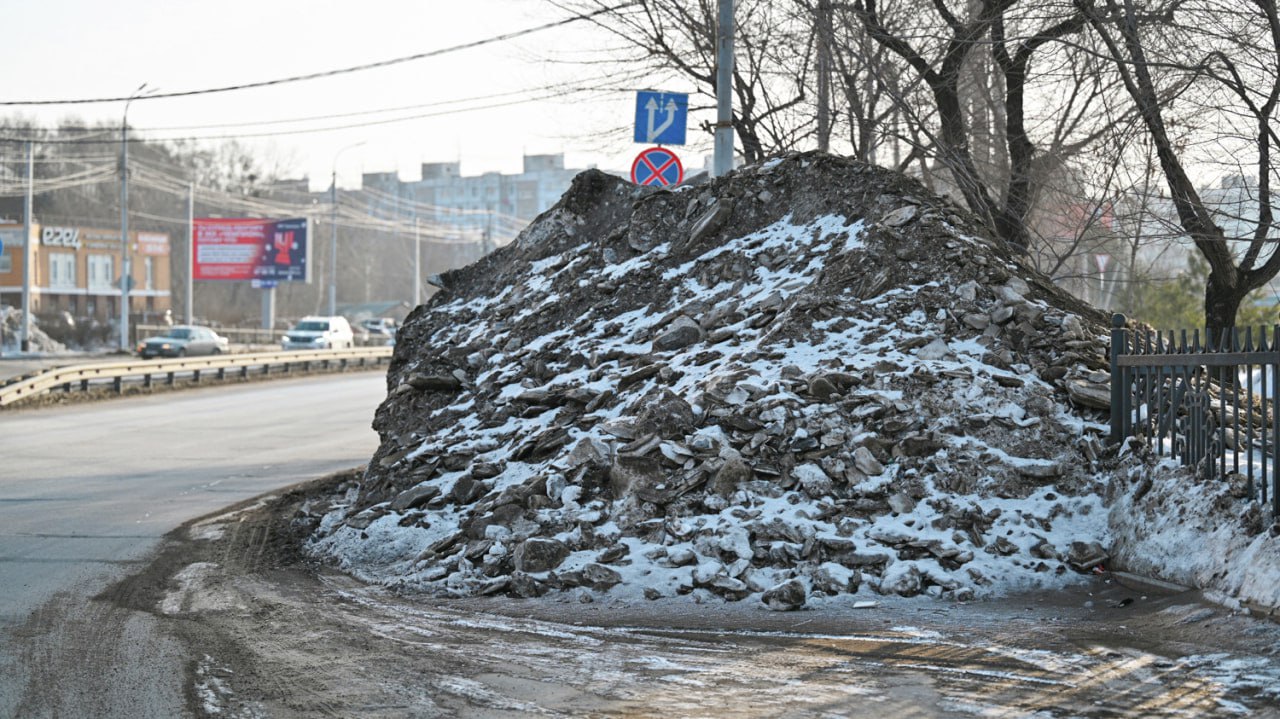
{"x": 87, "y": 491}
{"x": 223, "y": 621}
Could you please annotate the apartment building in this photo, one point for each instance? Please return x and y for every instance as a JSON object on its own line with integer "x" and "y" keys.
{"x": 488, "y": 202}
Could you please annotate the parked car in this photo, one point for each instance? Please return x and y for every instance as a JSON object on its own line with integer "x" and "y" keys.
{"x": 379, "y": 326}
{"x": 183, "y": 341}
{"x": 319, "y": 333}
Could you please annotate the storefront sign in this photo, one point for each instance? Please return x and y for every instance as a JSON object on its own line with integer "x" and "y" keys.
{"x": 60, "y": 237}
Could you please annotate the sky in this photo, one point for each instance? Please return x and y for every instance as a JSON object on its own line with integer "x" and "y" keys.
{"x": 71, "y": 49}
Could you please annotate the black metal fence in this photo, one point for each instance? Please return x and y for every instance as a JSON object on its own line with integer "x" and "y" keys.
{"x": 1211, "y": 405}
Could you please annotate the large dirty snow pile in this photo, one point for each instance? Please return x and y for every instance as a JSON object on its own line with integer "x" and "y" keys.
{"x": 807, "y": 378}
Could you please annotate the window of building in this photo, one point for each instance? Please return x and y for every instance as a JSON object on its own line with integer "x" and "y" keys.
{"x": 149, "y": 267}
{"x": 101, "y": 272}
{"x": 6, "y": 262}
{"x": 62, "y": 269}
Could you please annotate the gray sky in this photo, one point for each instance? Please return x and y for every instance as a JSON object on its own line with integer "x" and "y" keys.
{"x": 65, "y": 49}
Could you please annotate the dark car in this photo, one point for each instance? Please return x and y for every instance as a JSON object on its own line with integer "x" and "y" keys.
{"x": 183, "y": 341}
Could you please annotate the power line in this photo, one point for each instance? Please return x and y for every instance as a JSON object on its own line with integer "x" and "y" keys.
{"x": 327, "y": 73}
{"x": 98, "y": 129}
{"x": 304, "y": 131}
{"x": 335, "y": 116}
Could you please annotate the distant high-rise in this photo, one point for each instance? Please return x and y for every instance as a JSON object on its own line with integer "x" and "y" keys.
{"x": 494, "y": 203}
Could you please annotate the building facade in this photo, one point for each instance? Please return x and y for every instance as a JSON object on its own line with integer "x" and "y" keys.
{"x": 488, "y": 202}
{"x": 77, "y": 270}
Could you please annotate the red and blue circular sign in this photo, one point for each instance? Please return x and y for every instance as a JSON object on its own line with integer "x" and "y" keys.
{"x": 657, "y": 167}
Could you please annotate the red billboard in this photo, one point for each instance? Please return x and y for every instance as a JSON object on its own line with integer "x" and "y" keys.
{"x": 241, "y": 249}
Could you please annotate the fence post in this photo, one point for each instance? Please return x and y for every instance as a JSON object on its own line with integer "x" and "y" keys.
{"x": 1119, "y": 346}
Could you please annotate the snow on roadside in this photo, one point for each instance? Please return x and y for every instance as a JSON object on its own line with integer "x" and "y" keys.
{"x": 1172, "y": 524}
{"x": 771, "y": 381}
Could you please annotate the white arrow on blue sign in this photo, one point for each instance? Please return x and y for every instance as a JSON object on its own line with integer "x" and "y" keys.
{"x": 661, "y": 117}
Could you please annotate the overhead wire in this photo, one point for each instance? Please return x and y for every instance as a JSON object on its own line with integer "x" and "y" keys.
{"x": 334, "y": 116}
{"x": 302, "y": 131}
{"x": 46, "y": 185}
{"x": 16, "y": 160}
{"x": 367, "y": 208}
{"x": 352, "y": 208}
{"x": 328, "y": 73}
{"x": 423, "y": 208}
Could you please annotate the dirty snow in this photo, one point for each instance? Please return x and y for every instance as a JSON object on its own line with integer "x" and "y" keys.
{"x": 865, "y": 399}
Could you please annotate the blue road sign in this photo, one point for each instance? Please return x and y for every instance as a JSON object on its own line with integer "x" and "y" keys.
{"x": 657, "y": 167}
{"x": 661, "y": 117}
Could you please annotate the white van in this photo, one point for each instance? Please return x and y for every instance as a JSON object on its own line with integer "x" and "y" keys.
{"x": 319, "y": 333}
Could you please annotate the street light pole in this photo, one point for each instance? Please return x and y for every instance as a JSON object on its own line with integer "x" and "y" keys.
{"x": 126, "y": 272}
{"x": 333, "y": 237}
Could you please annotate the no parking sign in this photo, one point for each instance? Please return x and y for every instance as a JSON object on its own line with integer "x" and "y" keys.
{"x": 657, "y": 167}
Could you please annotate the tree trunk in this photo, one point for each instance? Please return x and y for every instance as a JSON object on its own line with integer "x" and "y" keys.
{"x": 1221, "y": 302}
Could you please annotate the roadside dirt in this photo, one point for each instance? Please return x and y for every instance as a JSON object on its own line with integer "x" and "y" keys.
{"x": 262, "y": 633}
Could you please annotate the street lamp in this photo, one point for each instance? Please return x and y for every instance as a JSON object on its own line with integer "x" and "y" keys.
{"x": 333, "y": 238}
{"x": 126, "y": 271}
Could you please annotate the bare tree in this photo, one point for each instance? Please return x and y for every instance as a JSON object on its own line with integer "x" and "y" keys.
{"x": 944, "y": 48}
{"x": 1223, "y": 57}
{"x": 676, "y": 39}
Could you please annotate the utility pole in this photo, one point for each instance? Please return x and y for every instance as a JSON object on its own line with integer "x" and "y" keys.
{"x": 333, "y": 238}
{"x": 487, "y": 246}
{"x": 27, "y": 224}
{"x": 723, "y": 160}
{"x": 417, "y": 264}
{"x": 126, "y": 271}
{"x": 823, "y": 33}
{"x": 188, "y": 314}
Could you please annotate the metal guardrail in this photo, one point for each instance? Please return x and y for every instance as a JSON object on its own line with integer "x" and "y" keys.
{"x": 253, "y": 335}
{"x": 84, "y": 376}
{"x": 1211, "y": 405}
{"x": 239, "y": 335}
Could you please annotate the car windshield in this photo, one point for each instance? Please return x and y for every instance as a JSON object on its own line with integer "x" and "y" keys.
{"x": 178, "y": 333}
{"x": 312, "y": 326}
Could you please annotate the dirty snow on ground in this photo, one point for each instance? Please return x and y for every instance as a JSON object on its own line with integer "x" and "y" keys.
{"x": 11, "y": 335}
{"x": 213, "y": 690}
{"x": 1171, "y": 522}
{"x": 806, "y": 380}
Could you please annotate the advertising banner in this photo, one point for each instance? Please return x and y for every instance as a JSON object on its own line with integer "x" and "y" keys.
{"x": 240, "y": 250}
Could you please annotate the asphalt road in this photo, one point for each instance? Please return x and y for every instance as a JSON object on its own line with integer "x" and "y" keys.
{"x": 87, "y": 491}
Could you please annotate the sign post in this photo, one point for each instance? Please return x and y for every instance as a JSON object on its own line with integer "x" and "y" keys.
{"x": 723, "y": 158}
{"x": 657, "y": 167}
